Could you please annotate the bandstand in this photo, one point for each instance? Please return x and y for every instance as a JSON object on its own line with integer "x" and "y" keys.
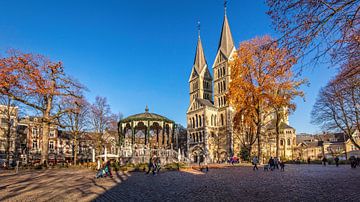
{"x": 145, "y": 135}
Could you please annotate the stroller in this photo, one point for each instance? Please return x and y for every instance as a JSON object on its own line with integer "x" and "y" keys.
{"x": 103, "y": 172}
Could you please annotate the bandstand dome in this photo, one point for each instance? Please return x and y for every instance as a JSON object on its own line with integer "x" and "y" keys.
{"x": 146, "y": 116}
{"x": 147, "y": 130}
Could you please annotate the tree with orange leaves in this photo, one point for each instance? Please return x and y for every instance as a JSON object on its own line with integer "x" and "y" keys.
{"x": 261, "y": 81}
{"x": 39, "y": 83}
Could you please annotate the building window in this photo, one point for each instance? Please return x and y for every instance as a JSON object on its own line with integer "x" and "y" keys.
{"x": 197, "y": 120}
{"x": 34, "y": 131}
{"x": 34, "y": 144}
{"x": 282, "y": 142}
{"x": 52, "y": 133}
{"x": 51, "y": 144}
{"x": 222, "y": 119}
{"x": 288, "y": 142}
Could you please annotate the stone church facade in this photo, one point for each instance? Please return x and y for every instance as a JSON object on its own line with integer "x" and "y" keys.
{"x": 209, "y": 116}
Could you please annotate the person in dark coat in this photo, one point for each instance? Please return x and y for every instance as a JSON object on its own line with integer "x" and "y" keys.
{"x": 271, "y": 163}
{"x": 150, "y": 166}
{"x": 324, "y": 160}
{"x": 336, "y": 161}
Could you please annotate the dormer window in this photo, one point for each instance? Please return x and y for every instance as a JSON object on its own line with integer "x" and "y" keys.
{"x": 52, "y": 133}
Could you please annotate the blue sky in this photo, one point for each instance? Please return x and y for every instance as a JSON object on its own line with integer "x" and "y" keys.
{"x": 139, "y": 53}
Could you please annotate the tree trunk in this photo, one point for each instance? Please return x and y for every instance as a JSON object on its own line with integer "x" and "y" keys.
{"x": 45, "y": 143}
{"x": 8, "y": 144}
{"x": 75, "y": 148}
{"x": 259, "y": 144}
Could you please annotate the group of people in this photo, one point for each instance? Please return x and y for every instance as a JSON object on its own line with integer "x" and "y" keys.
{"x": 273, "y": 164}
{"x": 104, "y": 170}
{"x": 154, "y": 165}
{"x": 353, "y": 161}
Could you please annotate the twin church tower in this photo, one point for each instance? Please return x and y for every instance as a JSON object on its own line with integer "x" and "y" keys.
{"x": 209, "y": 116}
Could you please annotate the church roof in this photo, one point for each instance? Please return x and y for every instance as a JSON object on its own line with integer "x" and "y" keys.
{"x": 146, "y": 116}
{"x": 205, "y": 102}
{"x": 283, "y": 125}
{"x": 199, "y": 60}
{"x": 226, "y": 43}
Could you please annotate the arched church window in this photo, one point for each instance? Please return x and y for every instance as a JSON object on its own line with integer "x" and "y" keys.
{"x": 222, "y": 119}
{"x": 196, "y": 116}
{"x": 288, "y": 142}
{"x": 215, "y": 120}
{"x": 200, "y": 120}
{"x": 218, "y": 73}
{"x": 224, "y": 85}
{"x": 224, "y": 71}
{"x": 193, "y": 122}
{"x": 281, "y": 142}
{"x": 224, "y": 100}
{"x": 197, "y": 137}
{"x": 200, "y": 137}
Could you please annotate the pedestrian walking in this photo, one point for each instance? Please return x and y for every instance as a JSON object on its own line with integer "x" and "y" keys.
{"x": 282, "y": 165}
{"x": 276, "y": 162}
{"x": 337, "y": 161}
{"x": 308, "y": 160}
{"x": 324, "y": 160}
{"x": 158, "y": 164}
{"x": 255, "y": 161}
{"x": 271, "y": 163}
{"x": 150, "y": 166}
{"x": 352, "y": 161}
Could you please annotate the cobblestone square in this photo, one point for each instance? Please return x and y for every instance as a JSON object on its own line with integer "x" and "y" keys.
{"x": 297, "y": 183}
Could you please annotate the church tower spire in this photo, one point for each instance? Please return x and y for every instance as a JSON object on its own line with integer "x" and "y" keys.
{"x": 221, "y": 67}
{"x": 199, "y": 60}
{"x": 226, "y": 43}
{"x": 200, "y": 78}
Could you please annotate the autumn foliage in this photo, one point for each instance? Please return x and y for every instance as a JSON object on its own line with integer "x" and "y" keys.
{"x": 39, "y": 83}
{"x": 261, "y": 82}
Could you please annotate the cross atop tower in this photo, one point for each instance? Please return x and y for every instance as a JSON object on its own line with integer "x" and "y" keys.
{"x": 225, "y": 5}
{"x": 198, "y": 27}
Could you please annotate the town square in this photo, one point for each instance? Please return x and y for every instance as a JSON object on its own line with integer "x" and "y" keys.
{"x": 221, "y": 100}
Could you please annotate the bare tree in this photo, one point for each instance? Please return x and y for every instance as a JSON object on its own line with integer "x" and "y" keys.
{"x": 320, "y": 27}
{"x": 100, "y": 119}
{"x": 338, "y": 106}
{"x": 76, "y": 120}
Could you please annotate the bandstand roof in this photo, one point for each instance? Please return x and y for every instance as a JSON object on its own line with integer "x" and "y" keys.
{"x": 146, "y": 116}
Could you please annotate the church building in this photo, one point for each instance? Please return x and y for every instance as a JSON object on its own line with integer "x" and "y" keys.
{"x": 209, "y": 116}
